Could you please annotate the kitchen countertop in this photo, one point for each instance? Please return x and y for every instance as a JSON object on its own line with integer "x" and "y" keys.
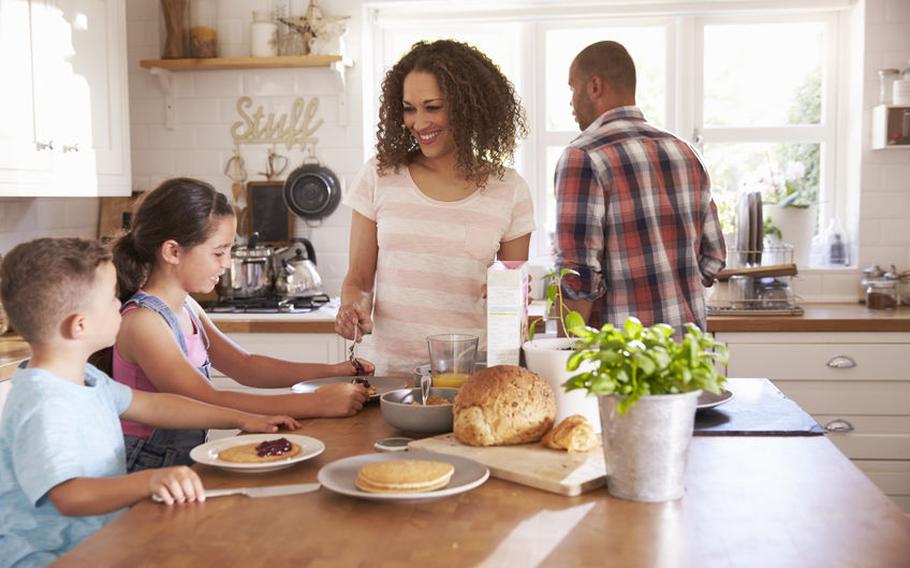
{"x": 769, "y": 501}
{"x": 817, "y": 317}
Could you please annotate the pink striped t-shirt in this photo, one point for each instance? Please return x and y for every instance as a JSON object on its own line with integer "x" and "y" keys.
{"x": 432, "y": 260}
{"x": 134, "y": 377}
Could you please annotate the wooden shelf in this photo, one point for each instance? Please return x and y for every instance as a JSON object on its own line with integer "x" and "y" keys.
{"x": 221, "y": 63}
{"x": 163, "y": 68}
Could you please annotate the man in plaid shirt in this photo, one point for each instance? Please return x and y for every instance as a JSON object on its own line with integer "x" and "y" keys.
{"x": 634, "y": 215}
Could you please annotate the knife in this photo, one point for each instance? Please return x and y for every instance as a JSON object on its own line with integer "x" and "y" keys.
{"x": 268, "y": 491}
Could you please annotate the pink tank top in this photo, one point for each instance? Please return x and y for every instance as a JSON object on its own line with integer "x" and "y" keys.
{"x": 132, "y": 375}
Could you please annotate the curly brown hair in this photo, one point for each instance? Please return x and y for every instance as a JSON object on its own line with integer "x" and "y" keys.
{"x": 485, "y": 113}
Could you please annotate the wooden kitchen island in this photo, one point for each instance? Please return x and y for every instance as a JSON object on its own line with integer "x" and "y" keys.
{"x": 750, "y": 501}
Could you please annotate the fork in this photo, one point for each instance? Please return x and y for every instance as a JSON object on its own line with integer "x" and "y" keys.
{"x": 358, "y": 367}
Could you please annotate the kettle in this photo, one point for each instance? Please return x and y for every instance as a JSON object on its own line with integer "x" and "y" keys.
{"x": 295, "y": 270}
{"x": 250, "y": 273}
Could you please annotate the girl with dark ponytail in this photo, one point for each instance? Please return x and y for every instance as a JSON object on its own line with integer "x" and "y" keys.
{"x": 180, "y": 243}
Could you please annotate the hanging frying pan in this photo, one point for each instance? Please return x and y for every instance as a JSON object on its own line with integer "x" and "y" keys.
{"x": 312, "y": 191}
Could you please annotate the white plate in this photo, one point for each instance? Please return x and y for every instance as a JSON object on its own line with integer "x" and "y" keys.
{"x": 208, "y": 453}
{"x": 382, "y": 384}
{"x": 710, "y": 400}
{"x": 339, "y": 476}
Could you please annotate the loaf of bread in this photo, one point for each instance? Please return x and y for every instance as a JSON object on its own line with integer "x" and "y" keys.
{"x": 503, "y": 405}
{"x": 573, "y": 434}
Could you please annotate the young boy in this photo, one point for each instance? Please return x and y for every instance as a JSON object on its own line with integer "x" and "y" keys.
{"x": 62, "y": 457}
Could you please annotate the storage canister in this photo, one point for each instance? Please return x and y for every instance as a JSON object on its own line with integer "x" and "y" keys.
{"x": 881, "y": 295}
{"x": 203, "y": 28}
{"x": 263, "y": 35}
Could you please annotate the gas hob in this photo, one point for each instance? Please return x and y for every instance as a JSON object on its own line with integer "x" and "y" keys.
{"x": 267, "y": 305}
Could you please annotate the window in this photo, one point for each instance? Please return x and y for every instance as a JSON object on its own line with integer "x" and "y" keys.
{"x": 754, "y": 92}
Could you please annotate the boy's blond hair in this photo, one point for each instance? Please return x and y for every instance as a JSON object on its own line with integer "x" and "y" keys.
{"x": 45, "y": 280}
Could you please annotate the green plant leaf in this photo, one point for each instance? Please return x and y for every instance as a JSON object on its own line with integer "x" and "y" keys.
{"x": 637, "y": 361}
{"x": 574, "y": 321}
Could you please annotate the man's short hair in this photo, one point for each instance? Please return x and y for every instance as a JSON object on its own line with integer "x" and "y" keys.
{"x": 611, "y": 62}
{"x": 45, "y": 280}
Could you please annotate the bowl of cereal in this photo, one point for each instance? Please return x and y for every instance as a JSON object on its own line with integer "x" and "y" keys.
{"x": 402, "y": 409}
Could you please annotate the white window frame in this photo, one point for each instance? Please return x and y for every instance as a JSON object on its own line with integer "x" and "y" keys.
{"x": 824, "y": 133}
{"x": 684, "y": 25}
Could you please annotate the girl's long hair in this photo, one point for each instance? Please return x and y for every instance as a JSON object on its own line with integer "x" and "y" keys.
{"x": 180, "y": 209}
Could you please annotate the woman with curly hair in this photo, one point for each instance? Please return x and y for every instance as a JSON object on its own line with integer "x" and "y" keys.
{"x": 436, "y": 206}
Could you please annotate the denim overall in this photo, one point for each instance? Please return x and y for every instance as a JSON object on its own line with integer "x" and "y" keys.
{"x": 165, "y": 448}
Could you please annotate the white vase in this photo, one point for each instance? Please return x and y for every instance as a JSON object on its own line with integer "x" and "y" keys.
{"x": 547, "y": 358}
{"x": 797, "y": 227}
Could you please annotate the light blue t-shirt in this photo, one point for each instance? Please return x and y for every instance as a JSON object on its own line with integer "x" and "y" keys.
{"x": 52, "y": 431}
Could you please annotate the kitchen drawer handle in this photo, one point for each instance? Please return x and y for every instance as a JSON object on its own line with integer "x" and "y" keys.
{"x": 73, "y": 148}
{"x": 841, "y": 362}
{"x": 49, "y": 145}
{"x": 839, "y": 425}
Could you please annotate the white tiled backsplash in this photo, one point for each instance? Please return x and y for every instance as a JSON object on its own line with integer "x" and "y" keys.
{"x": 201, "y": 143}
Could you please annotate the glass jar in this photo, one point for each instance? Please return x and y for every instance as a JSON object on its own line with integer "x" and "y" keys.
{"x": 203, "y": 30}
{"x": 881, "y": 295}
{"x": 886, "y": 79}
{"x": 175, "y": 16}
{"x": 870, "y": 274}
{"x": 263, "y": 35}
{"x": 903, "y": 289}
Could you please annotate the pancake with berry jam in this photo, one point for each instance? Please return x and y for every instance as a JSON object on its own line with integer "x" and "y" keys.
{"x": 268, "y": 451}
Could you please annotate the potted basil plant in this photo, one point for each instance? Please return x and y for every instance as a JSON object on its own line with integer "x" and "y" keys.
{"x": 547, "y": 357}
{"x": 647, "y": 386}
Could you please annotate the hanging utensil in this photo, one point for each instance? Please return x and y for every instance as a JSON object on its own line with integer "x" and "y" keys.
{"x": 235, "y": 169}
{"x": 275, "y": 165}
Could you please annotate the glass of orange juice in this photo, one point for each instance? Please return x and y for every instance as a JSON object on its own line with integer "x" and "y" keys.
{"x": 451, "y": 358}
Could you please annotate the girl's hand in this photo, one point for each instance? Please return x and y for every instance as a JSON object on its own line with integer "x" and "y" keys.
{"x": 177, "y": 484}
{"x": 254, "y": 423}
{"x": 341, "y": 399}
{"x": 347, "y": 369}
{"x": 350, "y": 315}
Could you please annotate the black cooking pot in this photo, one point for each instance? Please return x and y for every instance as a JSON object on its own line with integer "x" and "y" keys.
{"x": 312, "y": 191}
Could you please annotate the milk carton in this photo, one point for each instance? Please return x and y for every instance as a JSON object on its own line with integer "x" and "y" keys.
{"x": 507, "y": 311}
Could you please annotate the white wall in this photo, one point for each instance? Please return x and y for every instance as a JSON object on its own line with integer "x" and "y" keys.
{"x": 885, "y": 178}
{"x": 24, "y": 219}
{"x": 201, "y": 143}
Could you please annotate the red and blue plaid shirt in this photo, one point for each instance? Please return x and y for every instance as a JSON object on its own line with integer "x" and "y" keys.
{"x": 635, "y": 218}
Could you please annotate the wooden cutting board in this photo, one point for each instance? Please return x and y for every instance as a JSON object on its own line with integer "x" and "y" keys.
{"x": 528, "y": 464}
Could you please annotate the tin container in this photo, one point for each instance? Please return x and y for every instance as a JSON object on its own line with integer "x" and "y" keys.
{"x": 647, "y": 449}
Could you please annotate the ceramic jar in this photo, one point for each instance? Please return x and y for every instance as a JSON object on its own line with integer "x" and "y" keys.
{"x": 263, "y": 35}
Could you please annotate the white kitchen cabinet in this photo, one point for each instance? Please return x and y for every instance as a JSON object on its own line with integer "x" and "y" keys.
{"x": 65, "y": 131}
{"x": 857, "y": 385}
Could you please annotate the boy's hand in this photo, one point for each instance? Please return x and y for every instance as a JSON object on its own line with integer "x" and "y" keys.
{"x": 254, "y": 423}
{"x": 341, "y": 399}
{"x": 177, "y": 484}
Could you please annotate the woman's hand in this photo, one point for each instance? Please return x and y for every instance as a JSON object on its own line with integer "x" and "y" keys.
{"x": 347, "y": 369}
{"x": 266, "y": 424}
{"x": 350, "y": 315}
{"x": 177, "y": 484}
{"x": 341, "y": 399}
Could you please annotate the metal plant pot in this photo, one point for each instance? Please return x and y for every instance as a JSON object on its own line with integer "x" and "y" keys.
{"x": 646, "y": 450}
